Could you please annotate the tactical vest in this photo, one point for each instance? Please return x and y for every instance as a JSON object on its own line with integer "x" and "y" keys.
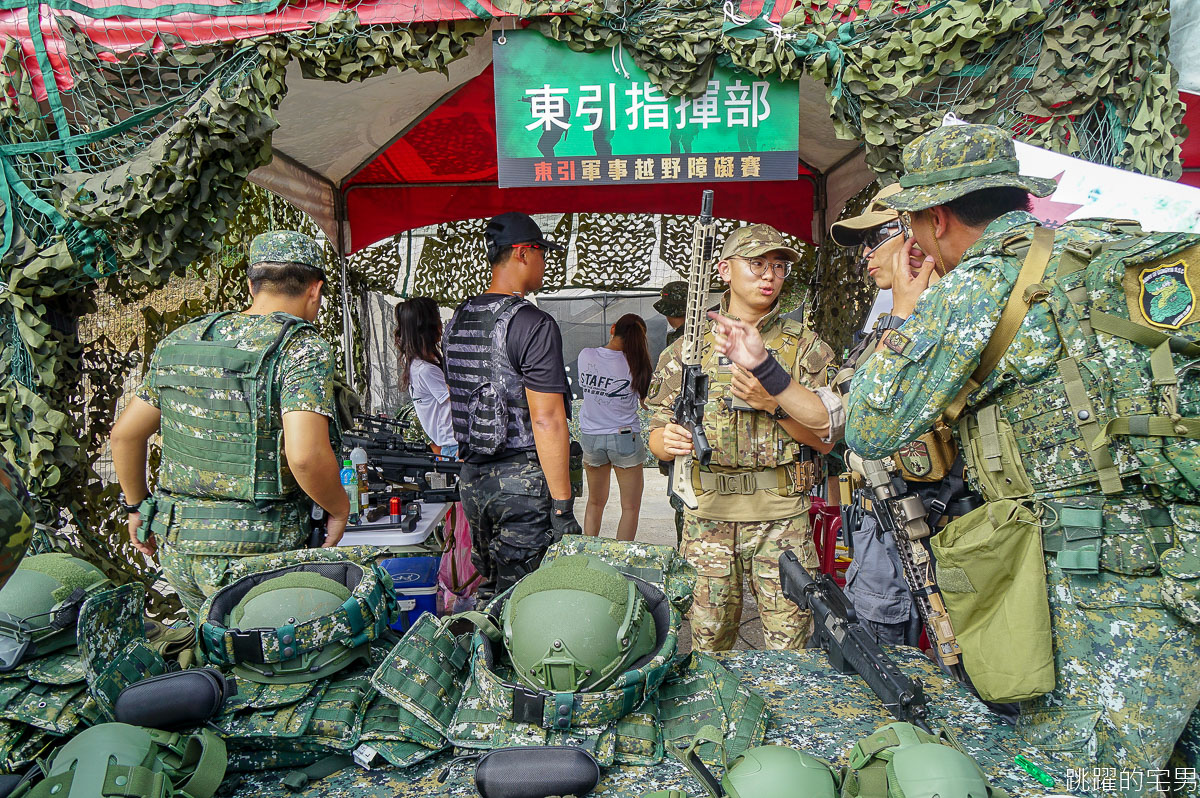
{"x": 216, "y": 401}
{"x": 488, "y": 407}
{"x": 460, "y": 689}
{"x": 1106, "y": 436}
{"x": 751, "y": 439}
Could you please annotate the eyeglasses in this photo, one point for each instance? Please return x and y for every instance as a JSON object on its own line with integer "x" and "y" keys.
{"x": 881, "y": 235}
{"x": 906, "y": 224}
{"x": 758, "y": 266}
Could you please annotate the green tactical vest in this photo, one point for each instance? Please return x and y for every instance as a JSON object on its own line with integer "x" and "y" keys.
{"x": 216, "y": 402}
{"x": 458, "y": 689}
{"x": 1106, "y": 438}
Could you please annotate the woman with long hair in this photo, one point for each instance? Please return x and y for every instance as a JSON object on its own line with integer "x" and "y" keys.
{"x": 614, "y": 379}
{"x": 419, "y": 349}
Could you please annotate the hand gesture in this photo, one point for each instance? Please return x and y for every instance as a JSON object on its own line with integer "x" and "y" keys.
{"x": 911, "y": 273}
{"x": 738, "y": 341}
{"x": 746, "y": 386}
{"x": 677, "y": 440}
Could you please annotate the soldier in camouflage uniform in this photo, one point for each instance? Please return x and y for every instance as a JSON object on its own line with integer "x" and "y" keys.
{"x": 244, "y": 402}
{"x": 753, "y": 499}
{"x": 17, "y": 517}
{"x": 673, "y": 305}
{"x": 1126, "y": 667}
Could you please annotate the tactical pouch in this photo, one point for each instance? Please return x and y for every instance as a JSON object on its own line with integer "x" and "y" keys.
{"x": 993, "y": 458}
{"x": 1181, "y": 565}
{"x": 991, "y": 571}
{"x": 928, "y": 458}
{"x": 536, "y": 772}
{"x": 487, "y": 420}
{"x": 174, "y": 701}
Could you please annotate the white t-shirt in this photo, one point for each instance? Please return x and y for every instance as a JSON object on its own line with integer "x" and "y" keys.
{"x": 609, "y": 400}
{"x": 427, "y": 385}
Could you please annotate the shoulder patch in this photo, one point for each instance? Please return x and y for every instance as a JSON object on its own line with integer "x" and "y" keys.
{"x": 1166, "y": 295}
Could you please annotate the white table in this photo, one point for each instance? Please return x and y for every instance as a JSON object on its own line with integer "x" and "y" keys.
{"x": 384, "y": 533}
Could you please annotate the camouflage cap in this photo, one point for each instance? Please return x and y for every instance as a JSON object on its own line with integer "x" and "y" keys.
{"x": 286, "y": 246}
{"x": 755, "y": 240}
{"x": 674, "y": 299}
{"x": 946, "y": 163}
{"x": 851, "y": 232}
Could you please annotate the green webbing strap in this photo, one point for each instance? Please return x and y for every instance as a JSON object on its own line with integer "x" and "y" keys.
{"x": 482, "y": 621}
{"x": 211, "y": 760}
{"x": 1147, "y": 337}
{"x": 1162, "y": 369}
{"x": 132, "y": 781}
{"x": 298, "y": 779}
{"x": 1149, "y": 427}
{"x": 1011, "y": 317}
{"x": 1089, "y": 424}
{"x": 989, "y": 438}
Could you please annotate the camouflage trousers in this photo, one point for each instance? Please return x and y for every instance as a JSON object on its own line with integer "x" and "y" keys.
{"x": 195, "y": 577}
{"x": 1127, "y": 675}
{"x": 721, "y": 551}
{"x": 508, "y": 507}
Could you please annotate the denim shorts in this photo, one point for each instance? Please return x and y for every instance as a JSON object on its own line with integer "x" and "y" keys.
{"x": 622, "y": 449}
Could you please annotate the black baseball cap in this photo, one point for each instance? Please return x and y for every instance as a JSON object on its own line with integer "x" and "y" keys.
{"x": 515, "y": 227}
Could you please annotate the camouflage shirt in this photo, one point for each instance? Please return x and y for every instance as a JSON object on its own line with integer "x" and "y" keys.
{"x": 901, "y": 391}
{"x": 744, "y": 441}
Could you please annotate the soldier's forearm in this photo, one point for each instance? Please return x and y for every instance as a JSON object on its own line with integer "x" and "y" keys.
{"x": 808, "y": 437}
{"x": 553, "y": 442}
{"x": 805, "y": 408}
{"x": 129, "y": 461}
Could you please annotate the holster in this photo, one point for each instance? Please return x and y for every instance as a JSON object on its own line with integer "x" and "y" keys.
{"x": 174, "y": 701}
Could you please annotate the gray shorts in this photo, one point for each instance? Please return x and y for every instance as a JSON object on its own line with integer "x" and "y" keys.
{"x": 622, "y": 449}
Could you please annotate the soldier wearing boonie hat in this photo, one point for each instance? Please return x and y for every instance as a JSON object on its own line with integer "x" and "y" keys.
{"x": 220, "y": 493}
{"x": 753, "y": 499}
{"x": 673, "y": 304}
{"x": 1106, "y": 668}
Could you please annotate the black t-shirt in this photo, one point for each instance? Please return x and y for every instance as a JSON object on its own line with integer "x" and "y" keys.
{"x": 534, "y": 347}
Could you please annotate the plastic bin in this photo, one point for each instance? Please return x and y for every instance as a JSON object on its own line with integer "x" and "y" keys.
{"x": 415, "y": 581}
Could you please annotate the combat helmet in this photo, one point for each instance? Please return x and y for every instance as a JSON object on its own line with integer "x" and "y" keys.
{"x": 39, "y": 606}
{"x": 298, "y": 623}
{"x": 575, "y": 625}
{"x": 766, "y": 771}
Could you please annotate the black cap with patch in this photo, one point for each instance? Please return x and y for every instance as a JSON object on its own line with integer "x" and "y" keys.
{"x": 512, "y": 228}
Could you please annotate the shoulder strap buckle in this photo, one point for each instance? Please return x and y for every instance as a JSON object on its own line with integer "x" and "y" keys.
{"x": 247, "y": 646}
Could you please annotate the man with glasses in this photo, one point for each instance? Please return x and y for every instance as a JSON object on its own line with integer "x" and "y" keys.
{"x": 508, "y": 403}
{"x": 238, "y": 466}
{"x": 753, "y": 498}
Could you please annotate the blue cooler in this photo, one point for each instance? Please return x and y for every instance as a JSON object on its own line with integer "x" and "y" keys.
{"x": 415, "y": 580}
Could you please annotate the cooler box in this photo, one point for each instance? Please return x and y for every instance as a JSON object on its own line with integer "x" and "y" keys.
{"x": 415, "y": 580}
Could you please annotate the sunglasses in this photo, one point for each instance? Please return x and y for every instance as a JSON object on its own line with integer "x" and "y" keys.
{"x": 882, "y": 234}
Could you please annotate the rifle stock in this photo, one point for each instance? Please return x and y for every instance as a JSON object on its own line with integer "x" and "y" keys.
{"x": 849, "y": 646}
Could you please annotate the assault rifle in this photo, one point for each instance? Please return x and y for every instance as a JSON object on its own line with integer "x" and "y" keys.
{"x": 849, "y": 646}
{"x": 903, "y": 515}
{"x": 401, "y": 465}
{"x": 693, "y": 389}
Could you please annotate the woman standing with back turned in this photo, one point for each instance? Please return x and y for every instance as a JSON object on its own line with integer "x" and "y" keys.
{"x": 419, "y": 349}
{"x": 614, "y": 379}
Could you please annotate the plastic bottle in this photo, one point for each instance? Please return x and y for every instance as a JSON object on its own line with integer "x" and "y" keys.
{"x": 358, "y": 456}
{"x": 350, "y": 485}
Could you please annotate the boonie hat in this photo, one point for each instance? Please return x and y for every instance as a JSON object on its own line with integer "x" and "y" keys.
{"x": 755, "y": 240}
{"x": 286, "y": 246}
{"x": 851, "y": 232}
{"x": 674, "y": 299}
{"x": 515, "y": 227}
{"x": 951, "y": 161}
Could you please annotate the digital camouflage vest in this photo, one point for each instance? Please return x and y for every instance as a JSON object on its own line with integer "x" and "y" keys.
{"x": 462, "y": 690}
{"x": 487, "y": 397}
{"x": 223, "y": 481}
{"x": 1106, "y": 439}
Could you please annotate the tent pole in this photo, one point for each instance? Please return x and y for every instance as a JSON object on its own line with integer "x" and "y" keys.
{"x": 347, "y": 324}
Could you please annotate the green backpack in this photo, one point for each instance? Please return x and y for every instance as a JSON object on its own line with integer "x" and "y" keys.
{"x": 119, "y": 759}
{"x": 901, "y": 761}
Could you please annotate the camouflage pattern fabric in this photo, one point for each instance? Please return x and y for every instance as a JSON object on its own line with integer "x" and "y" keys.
{"x": 744, "y": 440}
{"x": 902, "y": 390}
{"x": 661, "y": 566}
{"x": 286, "y": 246}
{"x": 113, "y": 644}
{"x": 17, "y": 517}
{"x": 754, "y": 240}
{"x": 721, "y": 552}
{"x": 673, "y": 301}
{"x": 508, "y": 507}
{"x": 948, "y": 162}
{"x": 808, "y": 706}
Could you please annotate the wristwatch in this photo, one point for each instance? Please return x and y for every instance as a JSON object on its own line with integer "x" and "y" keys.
{"x": 780, "y": 414}
{"x": 890, "y": 322}
{"x": 126, "y": 506}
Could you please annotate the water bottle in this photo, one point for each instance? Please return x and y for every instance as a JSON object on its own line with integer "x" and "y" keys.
{"x": 350, "y": 485}
{"x": 358, "y": 457}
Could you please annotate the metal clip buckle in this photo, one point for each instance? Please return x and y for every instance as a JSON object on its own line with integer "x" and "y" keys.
{"x": 740, "y": 484}
{"x": 247, "y": 646}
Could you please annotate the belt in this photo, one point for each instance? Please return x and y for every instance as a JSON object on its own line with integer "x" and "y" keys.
{"x": 798, "y": 477}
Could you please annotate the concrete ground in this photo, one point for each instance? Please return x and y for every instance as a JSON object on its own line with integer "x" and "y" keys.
{"x": 656, "y": 524}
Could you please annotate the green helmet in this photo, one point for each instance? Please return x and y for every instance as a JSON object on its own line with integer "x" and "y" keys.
{"x": 900, "y": 759}
{"x": 299, "y": 623}
{"x": 39, "y": 606}
{"x": 576, "y": 624}
{"x": 119, "y": 759}
{"x": 776, "y": 771}
{"x": 18, "y": 512}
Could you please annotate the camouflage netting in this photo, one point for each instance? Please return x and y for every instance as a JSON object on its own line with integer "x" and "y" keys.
{"x": 126, "y": 189}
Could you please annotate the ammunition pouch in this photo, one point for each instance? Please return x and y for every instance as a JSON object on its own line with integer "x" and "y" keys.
{"x": 991, "y": 571}
{"x": 930, "y": 457}
{"x": 1181, "y": 565}
{"x": 992, "y": 455}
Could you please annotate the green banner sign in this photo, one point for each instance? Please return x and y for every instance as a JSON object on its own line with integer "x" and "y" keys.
{"x": 564, "y": 117}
